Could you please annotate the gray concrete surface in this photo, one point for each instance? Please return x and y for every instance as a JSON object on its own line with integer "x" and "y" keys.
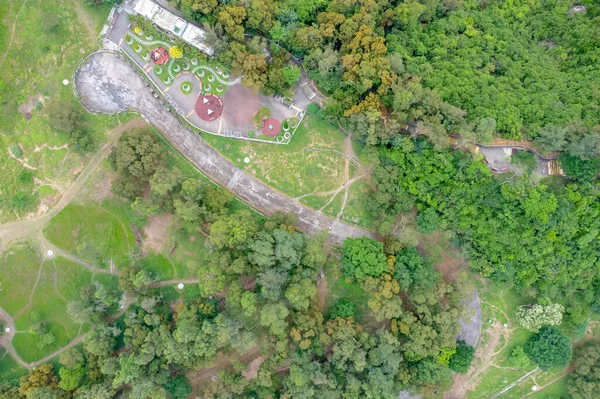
{"x": 239, "y": 102}
{"x": 500, "y": 157}
{"x": 109, "y": 84}
{"x": 471, "y": 328}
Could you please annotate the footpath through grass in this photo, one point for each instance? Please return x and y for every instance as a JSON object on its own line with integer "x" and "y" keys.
{"x": 289, "y": 168}
{"x": 49, "y": 40}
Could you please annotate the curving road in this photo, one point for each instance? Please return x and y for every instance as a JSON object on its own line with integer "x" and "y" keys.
{"x": 108, "y": 84}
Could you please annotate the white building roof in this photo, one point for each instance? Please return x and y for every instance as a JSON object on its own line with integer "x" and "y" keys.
{"x": 169, "y": 21}
{"x": 196, "y": 37}
{"x": 147, "y": 8}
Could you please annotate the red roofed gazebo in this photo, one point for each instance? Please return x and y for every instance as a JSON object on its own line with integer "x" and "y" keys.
{"x": 209, "y": 107}
{"x": 271, "y": 127}
{"x": 159, "y": 55}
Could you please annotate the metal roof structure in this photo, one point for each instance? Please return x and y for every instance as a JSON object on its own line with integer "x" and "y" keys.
{"x": 196, "y": 37}
{"x": 173, "y": 24}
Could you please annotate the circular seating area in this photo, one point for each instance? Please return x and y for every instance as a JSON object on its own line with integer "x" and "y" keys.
{"x": 271, "y": 127}
{"x": 159, "y": 56}
{"x": 209, "y": 107}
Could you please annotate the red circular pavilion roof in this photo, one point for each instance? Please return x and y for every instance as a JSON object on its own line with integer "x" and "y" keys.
{"x": 159, "y": 55}
{"x": 209, "y": 107}
{"x": 271, "y": 127}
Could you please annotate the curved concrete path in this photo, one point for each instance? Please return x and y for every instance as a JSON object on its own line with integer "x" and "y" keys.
{"x": 108, "y": 84}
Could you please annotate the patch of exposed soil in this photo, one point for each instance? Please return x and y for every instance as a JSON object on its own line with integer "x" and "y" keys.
{"x": 204, "y": 375}
{"x": 322, "y": 291}
{"x": 484, "y": 359}
{"x": 252, "y": 371}
{"x": 102, "y": 188}
{"x": 156, "y": 233}
{"x": 450, "y": 261}
{"x": 25, "y": 109}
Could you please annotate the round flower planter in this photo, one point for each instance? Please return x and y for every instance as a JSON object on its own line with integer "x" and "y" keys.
{"x": 167, "y": 81}
{"x": 208, "y": 87}
{"x": 176, "y": 68}
{"x": 201, "y": 74}
{"x": 194, "y": 61}
{"x": 211, "y": 78}
{"x": 287, "y": 135}
{"x": 158, "y": 70}
{"x": 146, "y": 57}
{"x": 186, "y": 67}
{"x": 129, "y": 40}
{"x": 225, "y": 75}
{"x": 220, "y": 89}
{"x": 149, "y": 37}
{"x": 138, "y": 49}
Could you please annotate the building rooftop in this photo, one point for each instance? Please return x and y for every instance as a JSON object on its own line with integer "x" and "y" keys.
{"x": 147, "y": 8}
{"x": 169, "y": 21}
{"x": 196, "y": 37}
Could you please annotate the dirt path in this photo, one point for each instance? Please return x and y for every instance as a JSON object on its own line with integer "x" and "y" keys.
{"x": 12, "y": 33}
{"x": 484, "y": 357}
{"x": 322, "y": 290}
{"x": 17, "y": 230}
{"x": 199, "y": 377}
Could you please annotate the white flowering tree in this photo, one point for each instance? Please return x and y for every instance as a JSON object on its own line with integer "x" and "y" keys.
{"x": 533, "y": 317}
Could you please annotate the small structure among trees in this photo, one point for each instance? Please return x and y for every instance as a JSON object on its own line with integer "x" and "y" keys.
{"x": 159, "y": 56}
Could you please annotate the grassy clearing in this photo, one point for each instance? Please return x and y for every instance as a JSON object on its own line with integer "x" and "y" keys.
{"x": 91, "y": 233}
{"x": 189, "y": 253}
{"x": 356, "y": 211}
{"x": 289, "y": 168}
{"x": 315, "y": 201}
{"x": 18, "y": 272}
{"x": 9, "y": 368}
{"x": 335, "y": 206}
{"x": 49, "y": 41}
{"x": 51, "y": 308}
{"x": 70, "y": 277}
{"x": 341, "y": 287}
{"x": 158, "y": 265}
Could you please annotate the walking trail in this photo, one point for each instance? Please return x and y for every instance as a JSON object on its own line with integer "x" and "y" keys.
{"x": 16, "y": 230}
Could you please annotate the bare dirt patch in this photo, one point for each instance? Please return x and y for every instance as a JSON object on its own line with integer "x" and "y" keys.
{"x": 484, "y": 359}
{"x": 27, "y": 108}
{"x": 322, "y": 291}
{"x": 252, "y": 371}
{"x": 102, "y": 188}
{"x": 203, "y": 376}
{"x": 156, "y": 233}
{"x": 447, "y": 259}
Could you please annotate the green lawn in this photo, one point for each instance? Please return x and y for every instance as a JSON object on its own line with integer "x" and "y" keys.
{"x": 158, "y": 265}
{"x": 315, "y": 201}
{"x": 70, "y": 277}
{"x": 335, "y": 206}
{"x": 341, "y": 287}
{"x": 9, "y": 368}
{"x": 91, "y": 233}
{"x": 356, "y": 211}
{"x": 18, "y": 271}
{"x": 51, "y": 308}
{"x": 289, "y": 168}
{"x": 48, "y": 42}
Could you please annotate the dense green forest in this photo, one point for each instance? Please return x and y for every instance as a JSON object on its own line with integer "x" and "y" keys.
{"x": 257, "y": 294}
{"x": 518, "y": 69}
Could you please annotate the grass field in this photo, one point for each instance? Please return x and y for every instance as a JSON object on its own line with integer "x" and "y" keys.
{"x": 50, "y": 37}
{"x": 9, "y": 368}
{"x": 355, "y": 211}
{"x": 50, "y": 306}
{"x": 18, "y": 271}
{"x": 91, "y": 233}
{"x": 289, "y": 168}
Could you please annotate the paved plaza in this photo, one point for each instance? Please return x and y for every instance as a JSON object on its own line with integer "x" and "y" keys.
{"x": 185, "y": 87}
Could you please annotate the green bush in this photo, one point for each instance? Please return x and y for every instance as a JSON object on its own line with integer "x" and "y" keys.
{"x": 313, "y": 108}
{"x": 462, "y": 358}
{"x": 16, "y": 150}
{"x": 427, "y": 221}
{"x": 343, "y": 309}
{"x": 549, "y": 348}
{"x": 525, "y": 159}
